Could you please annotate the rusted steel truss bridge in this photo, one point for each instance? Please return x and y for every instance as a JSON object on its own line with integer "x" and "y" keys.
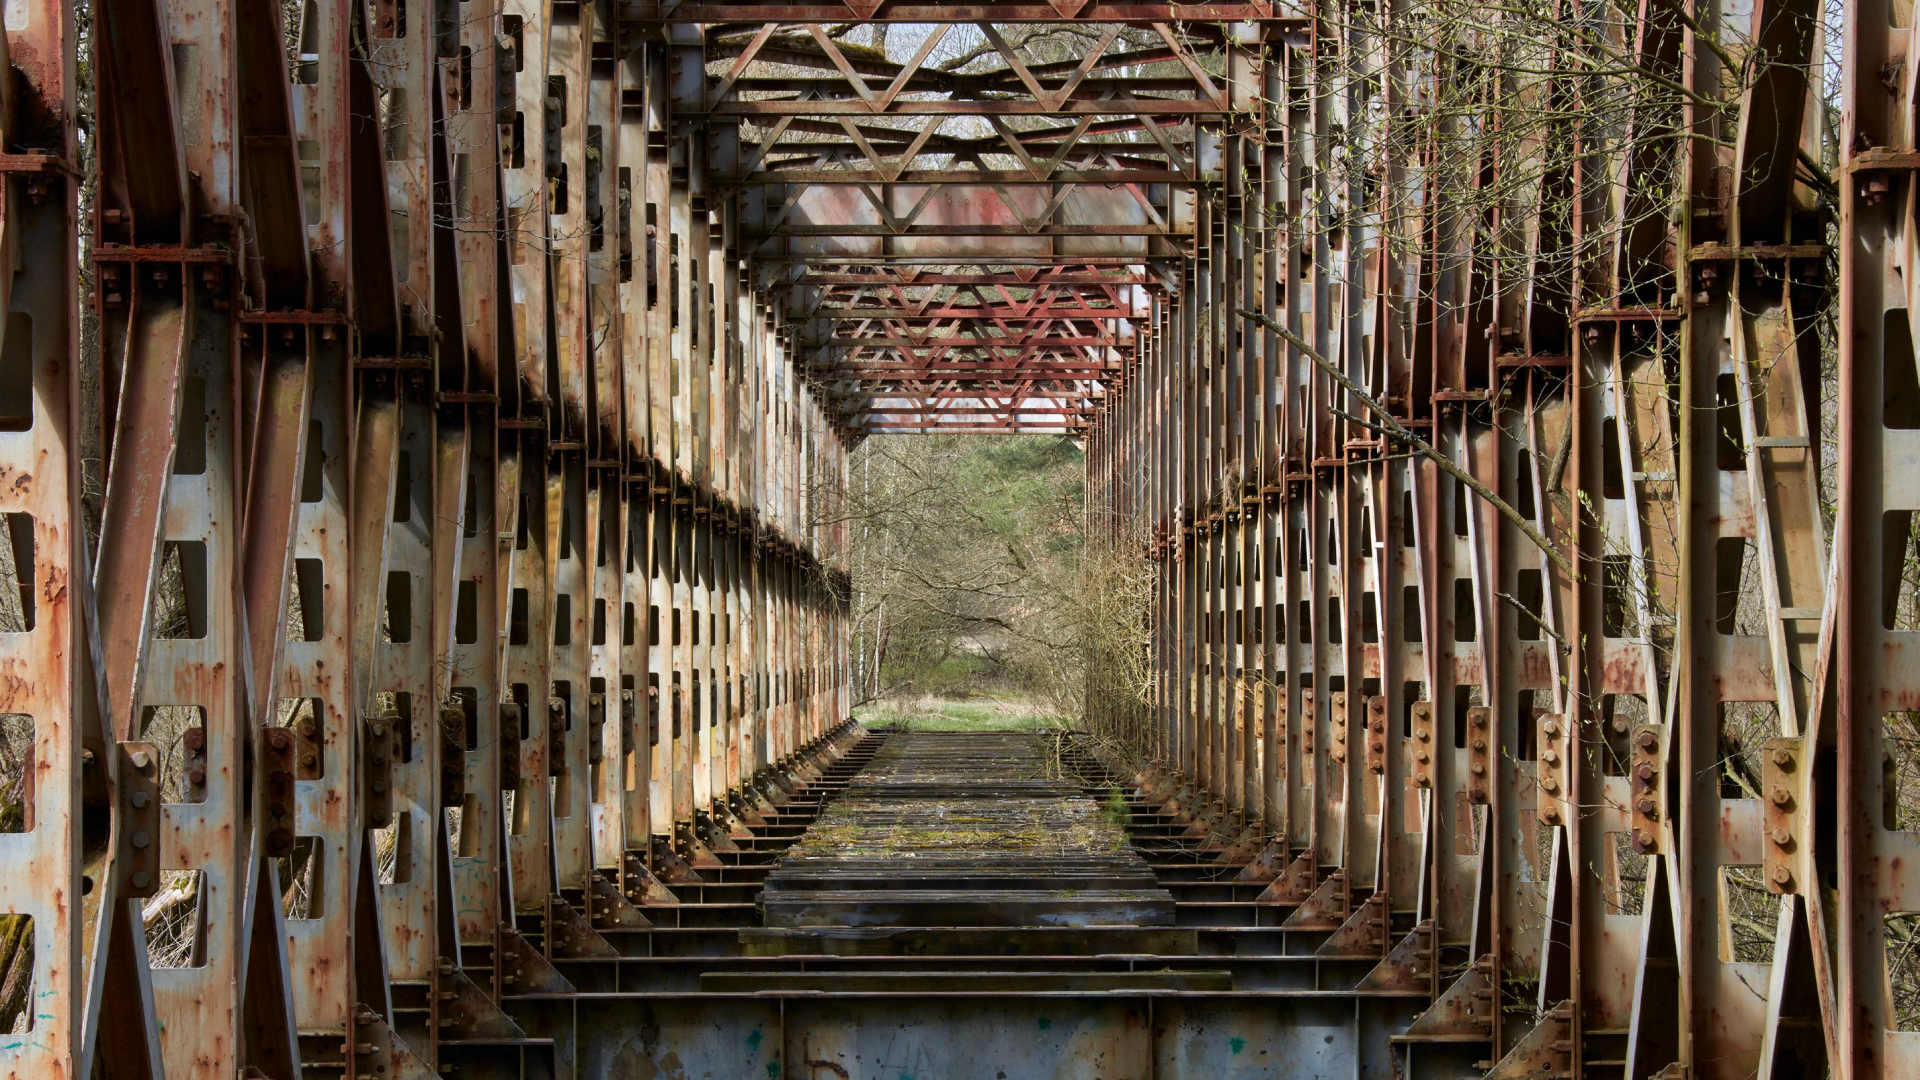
{"x": 424, "y": 433}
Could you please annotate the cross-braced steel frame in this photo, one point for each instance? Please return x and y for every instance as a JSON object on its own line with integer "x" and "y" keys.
{"x": 1473, "y": 572}
{"x": 427, "y": 492}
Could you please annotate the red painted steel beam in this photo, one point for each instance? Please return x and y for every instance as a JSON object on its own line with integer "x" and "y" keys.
{"x": 1096, "y": 11}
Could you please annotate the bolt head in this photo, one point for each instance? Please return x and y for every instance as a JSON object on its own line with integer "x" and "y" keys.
{"x": 140, "y": 838}
{"x": 140, "y": 759}
{"x": 141, "y": 879}
{"x": 1781, "y": 836}
{"x": 1648, "y": 740}
{"x": 1782, "y": 875}
{"x": 1782, "y": 757}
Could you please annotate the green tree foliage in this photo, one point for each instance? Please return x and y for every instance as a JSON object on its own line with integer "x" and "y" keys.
{"x": 966, "y": 554}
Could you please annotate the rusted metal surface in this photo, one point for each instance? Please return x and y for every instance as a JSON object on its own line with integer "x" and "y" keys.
{"x": 400, "y": 447}
{"x": 1547, "y": 767}
{"x": 465, "y": 632}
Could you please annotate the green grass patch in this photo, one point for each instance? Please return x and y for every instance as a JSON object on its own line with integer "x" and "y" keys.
{"x": 974, "y": 712}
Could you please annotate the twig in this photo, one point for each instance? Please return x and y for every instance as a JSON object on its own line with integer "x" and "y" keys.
{"x": 1821, "y": 177}
{"x": 1395, "y": 429}
{"x": 1538, "y": 621}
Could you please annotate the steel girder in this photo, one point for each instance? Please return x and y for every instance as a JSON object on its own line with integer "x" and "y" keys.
{"x": 898, "y": 170}
{"x": 1855, "y": 866}
{"x": 759, "y": 11}
{"x": 468, "y": 546}
{"x": 1539, "y": 756}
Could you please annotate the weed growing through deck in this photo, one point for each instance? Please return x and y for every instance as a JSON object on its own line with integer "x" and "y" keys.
{"x": 1115, "y": 813}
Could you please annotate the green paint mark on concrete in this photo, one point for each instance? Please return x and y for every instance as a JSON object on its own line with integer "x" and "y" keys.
{"x": 753, "y": 1040}
{"x": 1045, "y": 1023}
{"x": 1237, "y": 1043}
{"x": 773, "y": 1069}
